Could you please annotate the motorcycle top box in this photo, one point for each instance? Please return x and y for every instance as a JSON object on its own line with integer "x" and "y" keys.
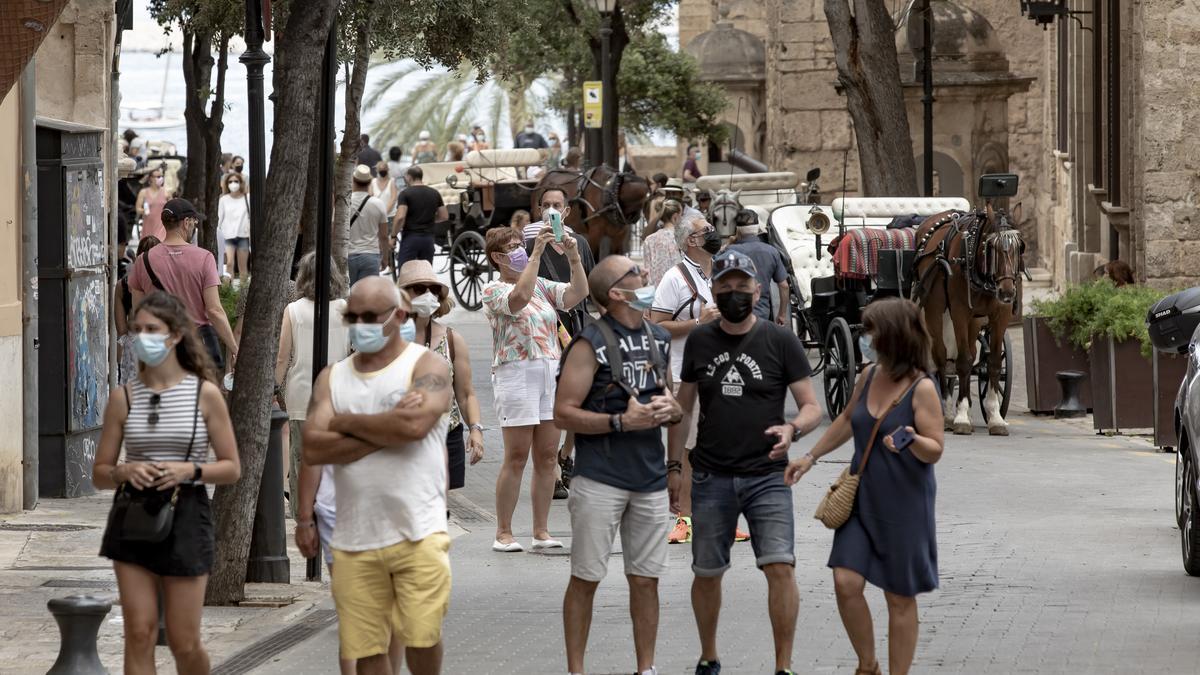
{"x": 1172, "y": 320}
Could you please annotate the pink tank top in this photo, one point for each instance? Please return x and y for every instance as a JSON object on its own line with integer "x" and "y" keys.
{"x": 152, "y": 218}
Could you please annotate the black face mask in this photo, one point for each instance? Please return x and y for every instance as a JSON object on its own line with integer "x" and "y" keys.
{"x": 383, "y": 174}
{"x": 712, "y": 242}
{"x": 735, "y": 306}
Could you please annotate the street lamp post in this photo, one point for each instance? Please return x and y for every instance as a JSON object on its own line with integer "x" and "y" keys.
{"x": 608, "y": 101}
{"x": 255, "y": 60}
{"x": 927, "y": 93}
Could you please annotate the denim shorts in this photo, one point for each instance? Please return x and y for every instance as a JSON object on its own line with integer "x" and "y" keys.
{"x": 717, "y": 500}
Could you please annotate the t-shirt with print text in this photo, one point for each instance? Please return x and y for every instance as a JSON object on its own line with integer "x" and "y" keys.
{"x": 631, "y": 460}
{"x": 739, "y": 401}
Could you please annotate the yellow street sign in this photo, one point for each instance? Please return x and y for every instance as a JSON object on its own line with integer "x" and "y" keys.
{"x": 593, "y": 112}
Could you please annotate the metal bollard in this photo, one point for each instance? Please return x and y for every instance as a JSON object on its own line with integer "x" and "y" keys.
{"x": 79, "y": 618}
{"x": 1070, "y": 405}
{"x": 268, "y": 562}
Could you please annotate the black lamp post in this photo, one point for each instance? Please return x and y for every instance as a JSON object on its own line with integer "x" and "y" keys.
{"x": 255, "y": 59}
{"x": 927, "y": 94}
{"x": 608, "y": 102}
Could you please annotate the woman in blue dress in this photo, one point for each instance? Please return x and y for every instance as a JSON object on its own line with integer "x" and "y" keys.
{"x": 889, "y": 539}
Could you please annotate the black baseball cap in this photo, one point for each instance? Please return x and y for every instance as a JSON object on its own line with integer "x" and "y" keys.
{"x": 175, "y": 210}
{"x": 731, "y": 260}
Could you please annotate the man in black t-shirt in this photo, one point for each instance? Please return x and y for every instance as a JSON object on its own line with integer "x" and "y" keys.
{"x": 741, "y": 369}
{"x": 620, "y": 477}
{"x": 417, "y": 209}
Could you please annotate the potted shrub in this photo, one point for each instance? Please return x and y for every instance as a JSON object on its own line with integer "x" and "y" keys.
{"x": 1109, "y": 325}
{"x": 1050, "y": 349}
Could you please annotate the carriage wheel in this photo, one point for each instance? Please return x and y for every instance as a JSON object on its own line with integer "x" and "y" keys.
{"x": 468, "y": 267}
{"x": 806, "y": 329}
{"x": 841, "y": 365}
{"x": 1006, "y": 370}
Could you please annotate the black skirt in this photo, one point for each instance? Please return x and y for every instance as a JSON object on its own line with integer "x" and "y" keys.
{"x": 186, "y": 552}
{"x": 457, "y": 457}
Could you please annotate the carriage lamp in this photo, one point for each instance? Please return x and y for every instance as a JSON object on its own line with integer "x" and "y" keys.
{"x": 1045, "y": 12}
{"x": 604, "y": 6}
{"x": 818, "y": 223}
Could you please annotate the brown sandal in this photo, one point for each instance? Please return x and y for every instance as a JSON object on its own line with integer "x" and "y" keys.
{"x": 872, "y": 671}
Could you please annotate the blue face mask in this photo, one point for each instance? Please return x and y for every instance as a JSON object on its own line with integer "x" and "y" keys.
{"x": 867, "y": 349}
{"x": 408, "y": 331}
{"x": 368, "y": 338}
{"x": 151, "y": 348}
{"x": 643, "y": 297}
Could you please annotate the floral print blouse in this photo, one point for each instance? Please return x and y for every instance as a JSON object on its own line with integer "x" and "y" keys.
{"x": 531, "y": 333}
{"x": 660, "y": 253}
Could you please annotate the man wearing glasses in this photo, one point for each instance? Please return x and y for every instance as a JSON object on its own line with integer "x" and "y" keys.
{"x": 390, "y": 546}
{"x": 616, "y": 407}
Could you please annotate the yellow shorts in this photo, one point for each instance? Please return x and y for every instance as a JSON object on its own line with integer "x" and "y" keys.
{"x": 408, "y": 582}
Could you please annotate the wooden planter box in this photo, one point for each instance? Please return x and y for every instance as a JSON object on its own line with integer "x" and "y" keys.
{"x": 1046, "y": 355}
{"x": 1122, "y": 385}
{"x": 1168, "y": 372}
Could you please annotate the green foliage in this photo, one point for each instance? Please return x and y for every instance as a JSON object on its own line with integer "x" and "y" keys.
{"x": 660, "y": 89}
{"x": 229, "y": 301}
{"x": 1099, "y": 308}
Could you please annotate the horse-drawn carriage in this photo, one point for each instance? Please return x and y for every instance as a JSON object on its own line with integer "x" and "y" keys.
{"x": 871, "y": 257}
{"x": 487, "y": 187}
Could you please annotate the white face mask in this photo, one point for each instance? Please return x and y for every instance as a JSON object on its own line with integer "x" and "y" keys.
{"x": 235, "y": 186}
{"x": 426, "y": 304}
{"x": 159, "y": 181}
{"x": 529, "y": 130}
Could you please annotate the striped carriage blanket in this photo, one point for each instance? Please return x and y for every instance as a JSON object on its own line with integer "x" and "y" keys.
{"x": 857, "y": 253}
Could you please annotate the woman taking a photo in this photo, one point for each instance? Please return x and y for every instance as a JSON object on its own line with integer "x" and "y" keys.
{"x": 889, "y": 538}
{"x": 233, "y": 224}
{"x": 523, "y": 311}
{"x": 430, "y": 301}
{"x": 166, "y": 419}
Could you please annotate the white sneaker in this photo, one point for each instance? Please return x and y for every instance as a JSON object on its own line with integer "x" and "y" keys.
{"x": 542, "y": 544}
{"x": 511, "y": 547}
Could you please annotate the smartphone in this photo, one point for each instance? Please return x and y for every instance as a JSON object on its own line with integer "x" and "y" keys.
{"x": 902, "y": 438}
{"x": 556, "y": 225}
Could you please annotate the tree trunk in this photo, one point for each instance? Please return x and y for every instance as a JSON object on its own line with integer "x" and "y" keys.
{"x": 212, "y": 158}
{"x": 343, "y": 167}
{"x": 865, "y": 49}
{"x": 197, "y": 76}
{"x": 308, "y": 217}
{"x": 298, "y": 54}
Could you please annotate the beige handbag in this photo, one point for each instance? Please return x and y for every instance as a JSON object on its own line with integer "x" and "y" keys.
{"x": 834, "y": 509}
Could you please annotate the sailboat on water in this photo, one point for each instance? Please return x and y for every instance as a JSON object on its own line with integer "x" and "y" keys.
{"x": 150, "y": 114}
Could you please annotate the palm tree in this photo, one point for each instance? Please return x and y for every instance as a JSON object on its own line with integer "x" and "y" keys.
{"x": 447, "y": 103}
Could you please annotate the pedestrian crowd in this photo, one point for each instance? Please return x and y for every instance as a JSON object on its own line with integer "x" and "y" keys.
{"x": 651, "y": 395}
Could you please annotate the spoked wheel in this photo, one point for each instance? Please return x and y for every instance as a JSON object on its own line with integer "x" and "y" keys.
{"x": 809, "y": 333}
{"x": 1005, "y": 379}
{"x": 841, "y": 366}
{"x": 468, "y": 268}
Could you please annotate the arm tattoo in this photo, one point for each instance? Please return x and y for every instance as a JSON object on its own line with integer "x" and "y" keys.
{"x": 431, "y": 382}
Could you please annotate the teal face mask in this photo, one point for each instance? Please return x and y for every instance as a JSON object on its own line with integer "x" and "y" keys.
{"x": 368, "y": 338}
{"x": 643, "y": 298}
{"x": 151, "y": 348}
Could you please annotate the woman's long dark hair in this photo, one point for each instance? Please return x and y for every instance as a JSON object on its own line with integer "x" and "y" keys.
{"x": 190, "y": 351}
{"x": 899, "y": 336}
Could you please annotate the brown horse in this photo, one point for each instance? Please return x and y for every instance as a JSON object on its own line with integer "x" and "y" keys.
{"x": 968, "y": 269}
{"x": 604, "y": 204}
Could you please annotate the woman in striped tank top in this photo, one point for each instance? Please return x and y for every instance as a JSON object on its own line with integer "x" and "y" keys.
{"x": 166, "y": 418}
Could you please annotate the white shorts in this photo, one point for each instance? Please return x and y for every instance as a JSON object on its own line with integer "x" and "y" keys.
{"x": 325, "y": 522}
{"x": 524, "y": 392}
{"x": 599, "y": 510}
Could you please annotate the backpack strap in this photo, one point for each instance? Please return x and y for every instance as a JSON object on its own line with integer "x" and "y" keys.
{"x": 658, "y": 362}
{"x": 353, "y": 216}
{"x": 150, "y": 271}
{"x": 691, "y": 284}
{"x": 616, "y": 362}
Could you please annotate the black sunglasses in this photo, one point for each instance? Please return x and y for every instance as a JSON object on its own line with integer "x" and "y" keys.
{"x": 633, "y": 271}
{"x": 421, "y": 289}
{"x": 366, "y": 317}
{"x": 155, "y": 399}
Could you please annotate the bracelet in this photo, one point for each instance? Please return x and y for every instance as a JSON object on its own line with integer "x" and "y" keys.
{"x": 674, "y": 465}
{"x": 306, "y": 523}
{"x": 810, "y": 457}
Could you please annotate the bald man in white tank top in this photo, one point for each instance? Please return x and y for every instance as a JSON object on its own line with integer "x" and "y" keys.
{"x": 380, "y": 417}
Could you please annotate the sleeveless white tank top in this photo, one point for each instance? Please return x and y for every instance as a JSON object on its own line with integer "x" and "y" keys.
{"x": 394, "y": 494}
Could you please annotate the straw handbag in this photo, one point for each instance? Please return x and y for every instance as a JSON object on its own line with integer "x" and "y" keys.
{"x": 834, "y": 509}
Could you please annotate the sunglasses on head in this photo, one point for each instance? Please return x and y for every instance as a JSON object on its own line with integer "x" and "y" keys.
{"x": 350, "y": 318}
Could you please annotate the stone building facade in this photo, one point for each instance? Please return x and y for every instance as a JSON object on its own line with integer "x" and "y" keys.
{"x": 808, "y": 125}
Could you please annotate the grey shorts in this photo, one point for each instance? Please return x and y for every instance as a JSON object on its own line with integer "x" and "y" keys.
{"x": 717, "y": 500}
{"x": 599, "y": 510}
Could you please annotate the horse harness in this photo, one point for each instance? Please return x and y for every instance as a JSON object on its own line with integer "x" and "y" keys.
{"x": 610, "y": 196}
{"x": 977, "y": 247}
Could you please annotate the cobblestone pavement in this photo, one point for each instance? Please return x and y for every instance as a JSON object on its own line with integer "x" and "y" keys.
{"x": 1058, "y": 554}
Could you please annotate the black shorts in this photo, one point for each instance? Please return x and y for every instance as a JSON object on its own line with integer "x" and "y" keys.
{"x": 457, "y": 457}
{"x": 186, "y": 552}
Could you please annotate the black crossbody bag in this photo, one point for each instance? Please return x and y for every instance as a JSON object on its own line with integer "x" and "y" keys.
{"x": 145, "y": 515}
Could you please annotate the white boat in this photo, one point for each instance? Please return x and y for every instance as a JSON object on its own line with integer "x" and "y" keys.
{"x": 152, "y": 115}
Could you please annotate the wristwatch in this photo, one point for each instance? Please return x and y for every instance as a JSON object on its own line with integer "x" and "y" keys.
{"x": 795, "y": 431}
{"x": 475, "y": 427}
{"x": 198, "y": 474}
{"x": 614, "y": 422}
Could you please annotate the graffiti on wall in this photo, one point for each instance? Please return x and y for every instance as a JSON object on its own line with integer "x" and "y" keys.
{"x": 87, "y": 351}
{"x": 80, "y": 455}
{"x": 87, "y": 231}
